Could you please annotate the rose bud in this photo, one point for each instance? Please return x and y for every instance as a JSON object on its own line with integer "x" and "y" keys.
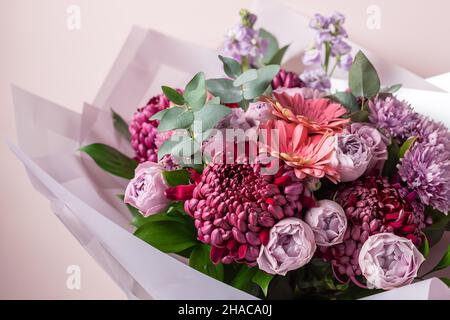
{"x": 146, "y": 190}
{"x": 328, "y": 222}
{"x": 388, "y": 261}
{"x": 291, "y": 245}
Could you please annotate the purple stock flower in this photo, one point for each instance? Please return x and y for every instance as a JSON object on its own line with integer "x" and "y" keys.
{"x": 339, "y": 47}
{"x": 311, "y": 57}
{"x": 319, "y": 22}
{"x": 316, "y": 79}
{"x": 426, "y": 169}
{"x": 345, "y": 62}
{"x": 244, "y": 40}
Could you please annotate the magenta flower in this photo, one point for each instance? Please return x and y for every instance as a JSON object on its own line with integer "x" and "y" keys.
{"x": 388, "y": 261}
{"x": 328, "y": 222}
{"x": 291, "y": 245}
{"x": 146, "y": 190}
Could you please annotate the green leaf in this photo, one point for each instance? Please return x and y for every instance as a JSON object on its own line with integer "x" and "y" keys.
{"x": 176, "y": 177}
{"x": 244, "y": 277}
{"x": 446, "y": 281}
{"x": 363, "y": 78}
{"x": 137, "y": 218}
{"x": 257, "y": 87}
{"x": 195, "y": 91}
{"x": 231, "y": 67}
{"x": 111, "y": 160}
{"x": 200, "y": 260}
{"x": 262, "y": 279}
{"x": 167, "y": 236}
{"x": 392, "y": 160}
{"x": 173, "y": 95}
{"x": 176, "y": 118}
{"x": 444, "y": 262}
{"x": 360, "y": 116}
{"x": 272, "y": 45}
{"x": 278, "y": 57}
{"x": 435, "y": 231}
{"x": 211, "y": 114}
{"x": 159, "y": 115}
{"x": 392, "y": 89}
{"x": 120, "y": 125}
{"x": 406, "y": 146}
{"x": 225, "y": 90}
{"x": 166, "y": 148}
{"x": 425, "y": 246}
{"x": 247, "y": 76}
{"x": 347, "y": 99}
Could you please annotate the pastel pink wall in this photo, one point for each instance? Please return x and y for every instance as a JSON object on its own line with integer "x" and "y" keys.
{"x": 40, "y": 54}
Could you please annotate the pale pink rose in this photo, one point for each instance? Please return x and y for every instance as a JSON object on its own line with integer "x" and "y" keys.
{"x": 328, "y": 222}
{"x": 145, "y": 191}
{"x": 307, "y": 93}
{"x": 259, "y": 112}
{"x": 375, "y": 140}
{"x": 351, "y": 156}
{"x": 388, "y": 261}
{"x": 291, "y": 245}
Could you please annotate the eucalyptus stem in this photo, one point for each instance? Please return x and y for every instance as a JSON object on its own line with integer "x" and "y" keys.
{"x": 245, "y": 65}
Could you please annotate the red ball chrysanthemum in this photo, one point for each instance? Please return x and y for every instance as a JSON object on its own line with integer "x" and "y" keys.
{"x": 373, "y": 205}
{"x": 234, "y": 207}
{"x": 145, "y": 137}
{"x": 287, "y": 79}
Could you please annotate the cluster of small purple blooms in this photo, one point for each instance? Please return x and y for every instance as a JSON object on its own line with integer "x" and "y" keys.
{"x": 329, "y": 44}
{"x": 243, "y": 43}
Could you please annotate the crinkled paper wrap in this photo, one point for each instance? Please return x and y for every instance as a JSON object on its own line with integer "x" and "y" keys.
{"x": 84, "y": 197}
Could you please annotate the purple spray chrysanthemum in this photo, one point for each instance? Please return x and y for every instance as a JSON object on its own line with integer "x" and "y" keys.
{"x": 316, "y": 79}
{"x": 426, "y": 169}
{"x": 432, "y": 132}
{"x": 394, "y": 117}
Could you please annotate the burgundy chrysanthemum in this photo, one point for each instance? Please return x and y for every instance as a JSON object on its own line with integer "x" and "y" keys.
{"x": 373, "y": 205}
{"x": 145, "y": 137}
{"x": 287, "y": 79}
{"x": 234, "y": 207}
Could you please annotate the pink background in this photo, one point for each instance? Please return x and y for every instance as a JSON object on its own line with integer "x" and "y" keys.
{"x": 39, "y": 53}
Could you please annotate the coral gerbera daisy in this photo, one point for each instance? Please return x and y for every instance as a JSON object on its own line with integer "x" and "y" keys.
{"x": 316, "y": 114}
{"x": 309, "y": 154}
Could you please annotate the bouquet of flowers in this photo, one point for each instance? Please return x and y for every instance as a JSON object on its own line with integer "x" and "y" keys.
{"x": 279, "y": 185}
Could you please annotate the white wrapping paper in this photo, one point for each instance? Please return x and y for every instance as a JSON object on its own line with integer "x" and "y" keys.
{"x": 84, "y": 197}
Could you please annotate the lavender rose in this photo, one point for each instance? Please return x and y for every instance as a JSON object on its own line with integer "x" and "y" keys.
{"x": 351, "y": 157}
{"x": 145, "y": 191}
{"x": 388, "y": 261}
{"x": 291, "y": 245}
{"x": 258, "y": 112}
{"x": 376, "y": 142}
{"x": 328, "y": 222}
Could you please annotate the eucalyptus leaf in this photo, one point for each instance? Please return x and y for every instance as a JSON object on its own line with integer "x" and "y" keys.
{"x": 173, "y": 95}
{"x": 176, "y": 118}
{"x": 363, "y": 78}
{"x": 272, "y": 45}
{"x": 231, "y": 67}
{"x": 224, "y": 89}
{"x": 201, "y": 261}
{"x": 195, "y": 91}
{"x": 262, "y": 279}
{"x": 406, "y": 146}
{"x": 360, "y": 116}
{"x": 211, "y": 114}
{"x": 347, "y": 99}
{"x": 185, "y": 148}
{"x": 167, "y": 236}
{"x": 257, "y": 87}
{"x": 111, "y": 160}
{"x": 278, "y": 57}
{"x": 121, "y": 125}
{"x": 392, "y": 89}
{"x": 247, "y": 76}
{"x": 159, "y": 115}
